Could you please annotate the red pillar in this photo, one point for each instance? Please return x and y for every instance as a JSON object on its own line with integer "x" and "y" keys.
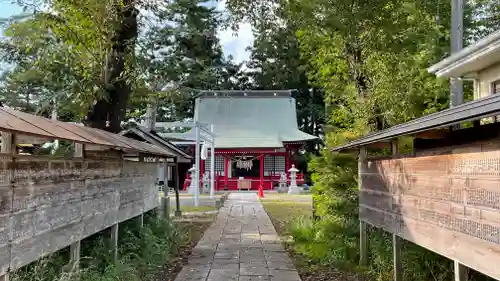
{"x": 226, "y": 170}
{"x": 261, "y": 186}
{"x": 202, "y": 168}
{"x": 287, "y": 162}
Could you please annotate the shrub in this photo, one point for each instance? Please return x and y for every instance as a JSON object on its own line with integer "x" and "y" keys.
{"x": 142, "y": 252}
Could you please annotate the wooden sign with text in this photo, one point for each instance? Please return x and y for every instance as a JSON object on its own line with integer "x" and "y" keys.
{"x": 448, "y": 203}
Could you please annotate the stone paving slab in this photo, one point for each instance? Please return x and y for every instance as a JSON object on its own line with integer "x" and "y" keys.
{"x": 241, "y": 245}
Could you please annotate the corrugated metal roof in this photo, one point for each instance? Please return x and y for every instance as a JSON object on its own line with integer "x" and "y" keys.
{"x": 487, "y": 106}
{"x": 245, "y": 119}
{"x": 27, "y": 124}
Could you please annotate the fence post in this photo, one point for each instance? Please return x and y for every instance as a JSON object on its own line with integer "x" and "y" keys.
{"x": 74, "y": 258}
{"x": 461, "y": 271}
{"x": 165, "y": 207}
{"x": 75, "y": 248}
{"x": 363, "y": 239}
{"x": 396, "y": 240}
{"x": 178, "y": 212}
{"x": 114, "y": 242}
{"x": 398, "y": 265}
{"x": 140, "y": 220}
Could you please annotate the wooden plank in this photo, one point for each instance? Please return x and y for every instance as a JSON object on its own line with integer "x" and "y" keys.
{"x": 58, "y": 202}
{"x": 448, "y": 203}
{"x": 461, "y": 271}
{"x": 114, "y": 242}
{"x": 397, "y": 257}
{"x": 80, "y": 131}
{"x": 363, "y": 244}
{"x": 74, "y": 256}
{"x": 10, "y": 123}
{"x": 111, "y": 138}
{"x": 363, "y": 239}
{"x": 4, "y": 258}
{"x": 78, "y": 150}
{"x": 49, "y": 126}
{"x": 470, "y": 251}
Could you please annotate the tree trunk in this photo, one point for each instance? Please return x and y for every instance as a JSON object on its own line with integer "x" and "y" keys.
{"x": 111, "y": 106}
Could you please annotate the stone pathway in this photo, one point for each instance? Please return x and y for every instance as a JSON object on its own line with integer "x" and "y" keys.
{"x": 241, "y": 245}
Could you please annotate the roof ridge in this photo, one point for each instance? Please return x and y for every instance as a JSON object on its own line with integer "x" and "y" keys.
{"x": 246, "y": 93}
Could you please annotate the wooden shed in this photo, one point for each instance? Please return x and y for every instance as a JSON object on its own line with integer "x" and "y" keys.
{"x": 49, "y": 202}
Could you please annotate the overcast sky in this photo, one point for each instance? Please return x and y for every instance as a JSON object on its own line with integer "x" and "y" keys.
{"x": 234, "y": 45}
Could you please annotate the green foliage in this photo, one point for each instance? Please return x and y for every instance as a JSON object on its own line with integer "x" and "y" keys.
{"x": 181, "y": 54}
{"x": 142, "y": 252}
{"x": 276, "y": 63}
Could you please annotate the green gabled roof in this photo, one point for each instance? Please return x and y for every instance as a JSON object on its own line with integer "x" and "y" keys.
{"x": 248, "y": 119}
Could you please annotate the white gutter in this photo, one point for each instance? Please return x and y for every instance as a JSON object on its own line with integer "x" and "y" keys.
{"x": 480, "y": 48}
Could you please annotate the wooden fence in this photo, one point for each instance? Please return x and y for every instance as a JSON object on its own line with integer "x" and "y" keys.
{"x": 49, "y": 203}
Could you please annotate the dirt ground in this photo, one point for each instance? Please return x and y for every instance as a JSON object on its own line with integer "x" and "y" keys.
{"x": 193, "y": 229}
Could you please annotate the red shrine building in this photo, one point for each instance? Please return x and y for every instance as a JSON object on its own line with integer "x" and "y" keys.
{"x": 256, "y": 137}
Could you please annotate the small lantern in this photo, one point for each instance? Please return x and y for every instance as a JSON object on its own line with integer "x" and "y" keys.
{"x": 204, "y": 152}
{"x": 293, "y": 188}
{"x": 282, "y": 187}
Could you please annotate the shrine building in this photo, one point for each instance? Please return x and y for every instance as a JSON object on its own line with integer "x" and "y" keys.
{"x": 256, "y": 137}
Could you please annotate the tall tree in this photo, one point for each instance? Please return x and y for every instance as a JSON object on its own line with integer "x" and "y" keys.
{"x": 92, "y": 58}
{"x": 109, "y": 110}
{"x": 181, "y": 54}
{"x": 276, "y": 63}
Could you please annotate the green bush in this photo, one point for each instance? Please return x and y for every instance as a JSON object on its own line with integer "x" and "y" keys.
{"x": 142, "y": 253}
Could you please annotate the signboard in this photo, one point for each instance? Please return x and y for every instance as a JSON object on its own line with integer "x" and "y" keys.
{"x": 448, "y": 203}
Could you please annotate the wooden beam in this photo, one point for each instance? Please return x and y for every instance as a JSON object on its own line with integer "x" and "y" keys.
{"x": 363, "y": 244}
{"x": 74, "y": 258}
{"x": 379, "y": 145}
{"x": 397, "y": 258}
{"x": 396, "y": 240}
{"x": 433, "y": 134}
{"x": 363, "y": 239}
{"x": 226, "y": 171}
{"x": 461, "y": 271}
{"x": 8, "y": 143}
{"x": 165, "y": 207}
{"x": 394, "y": 148}
{"x": 177, "y": 187}
{"x": 114, "y": 242}
{"x": 78, "y": 153}
{"x": 140, "y": 220}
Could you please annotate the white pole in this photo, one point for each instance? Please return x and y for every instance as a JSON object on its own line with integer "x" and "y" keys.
{"x": 197, "y": 167}
{"x": 212, "y": 164}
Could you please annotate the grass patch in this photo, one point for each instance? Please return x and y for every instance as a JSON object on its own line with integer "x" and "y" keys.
{"x": 284, "y": 208}
{"x": 193, "y": 209}
{"x": 154, "y": 252}
{"x": 292, "y": 218}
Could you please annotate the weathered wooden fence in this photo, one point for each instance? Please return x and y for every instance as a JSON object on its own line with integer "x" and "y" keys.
{"x": 49, "y": 203}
